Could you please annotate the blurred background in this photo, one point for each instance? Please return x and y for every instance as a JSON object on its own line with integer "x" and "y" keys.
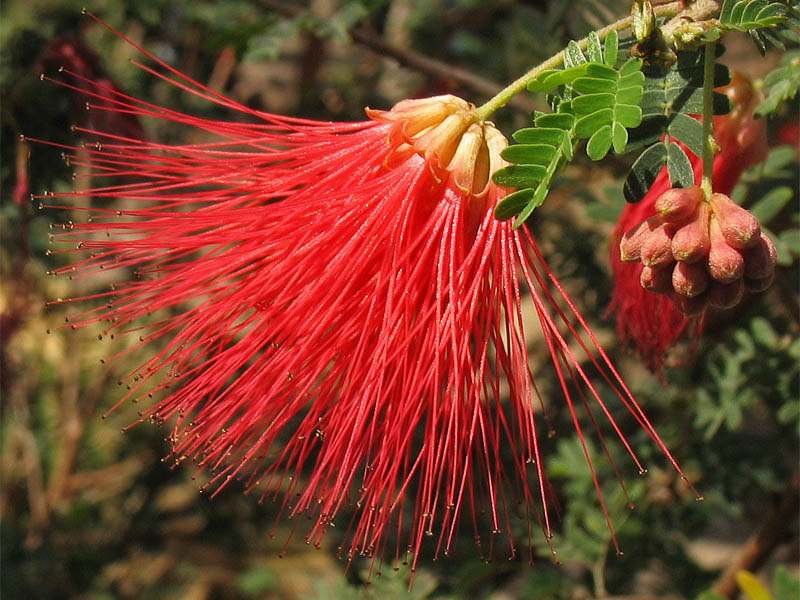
{"x": 89, "y": 512}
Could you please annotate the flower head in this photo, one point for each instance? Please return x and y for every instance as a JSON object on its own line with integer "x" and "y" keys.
{"x": 337, "y": 316}
{"x": 673, "y": 260}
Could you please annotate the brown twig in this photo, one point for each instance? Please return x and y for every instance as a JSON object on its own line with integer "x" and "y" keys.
{"x": 413, "y": 60}
{"x": 760, "y": 546}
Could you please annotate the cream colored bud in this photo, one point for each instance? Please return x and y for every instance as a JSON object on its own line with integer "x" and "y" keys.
{"x": 760, "y": 260}
{"x": 678, "y": 205}
{"x": 738, "y": 225}
{"x": 657, "y": 280}
{"x": 690, "y": 280}
{"x": 725, "y": 263}
{"x": 726, "y": 295}
{"x": 630, "y": 246}
{"x": 691, "y": 242}
{"x": 657, "y": 247}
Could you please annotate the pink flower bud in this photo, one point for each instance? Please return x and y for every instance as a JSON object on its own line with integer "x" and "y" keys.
{"x": 689, "y": 279}
{"x": 657, "y": 280}
{"x": 760, "y": 260}
{"x": 725, "y": 264}
{"x": 679, "y": 205}
{"x": 657, "y": 247}
{"x": 690, "y": 307}
{"x": 691, "y": 242}
{"x": 738, "y": 225}
{"x": 759, "y": 285}
{"x": 630, "y": 246}
{"x": 726, "y": 295}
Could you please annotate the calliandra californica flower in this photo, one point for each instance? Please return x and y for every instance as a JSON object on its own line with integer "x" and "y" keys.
{"x": 335, "y": 316}
{"x": 653, "y": 323}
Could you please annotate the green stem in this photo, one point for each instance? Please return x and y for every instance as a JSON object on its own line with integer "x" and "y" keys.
{"x": 515, "y": 87}
{"x": 709, "y": 144}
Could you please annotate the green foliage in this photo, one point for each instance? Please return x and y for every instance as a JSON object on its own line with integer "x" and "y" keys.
{"x": 768, "y": 23}
{"x": 584, "y": 534}
{"x": 744, "y": 15}
{"x": 255, "y": 581}
{"x": 736, "y": 377}
{"x": 671, "y": 95}
{"x": 389, "y": 583}
{"x": 593, "y": 100}
{"x": 785, "y": 585}
{"x": 269, "y": 43}
{"x": 781, "y": 84}
{"x": 770, "y": 192}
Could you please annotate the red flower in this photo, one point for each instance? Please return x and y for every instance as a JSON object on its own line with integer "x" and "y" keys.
{"x": 337, "y": 316}
{"x": 650, "y": 321}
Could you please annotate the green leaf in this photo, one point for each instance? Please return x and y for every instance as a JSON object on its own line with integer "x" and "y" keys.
{"x": 535, "y": 202}
{"x": 256, "y": 581}
{"x": 554, "y": 78}
{"x": 680, "y": 89}
{"x": 791, "y": 239}
{"x": 785, "y": 585}
{"x": 529, "y": 154}
{"x": 587, "y": 125}
{"x": 644, "y": 171}
{"x": 600, "y": 143}
{"x": 680, "y": 169}
{"x": 594, "y": 85}
{"x": 725, "y": 11}
{"x": 540, "y": 135}
{"x": 601, "y": 71}
{"x": 648, "y": 132}
{"x": 627, "y": 115}
{"x": 513, "y": 204}
{"x": 519, "y": 176}
{"x": 630, "y": 97}
{"x": 594, "y": 50}
{"x": 591, "y": 103}
{"x": 710, "y": 596}
{"x": 771, "y": 204}
{"x": 782, "y": 84}
{"x": 688, "y": 131}
{"x": 763, "y": 333}
{"x": 631, "y": 66}
{"x": 556, "y": 121}
{"x": 751, "y": 14}
{"x": 611, "y": 48}
{"x": 573, "y": 55}
{"x": 632, "y": 80}
{"x": 620, "y": 138}
{"x": 779, "y": 158}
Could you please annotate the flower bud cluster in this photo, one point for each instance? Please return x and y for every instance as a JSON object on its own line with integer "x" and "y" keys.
{"x": 701, "y": 253}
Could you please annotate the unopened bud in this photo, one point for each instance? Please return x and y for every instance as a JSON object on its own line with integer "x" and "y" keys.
{"x": 760, "y": 260}
{"x": 657, "y": 247}
{"x": 630, "y": 246}
{"x": 725, "y": 264}
{"x": 644, "y": 19}
{"x": 726, "y": 295}
{"x": 691, "y": 242}
{"x": 759, "y": 285}
{"x": 678, "y": 205}
{"x": 738, "y": 225}
{"x": 689, "y": 279}
{"x": 690, "y": 307}
{"x": 657, "y": 280}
